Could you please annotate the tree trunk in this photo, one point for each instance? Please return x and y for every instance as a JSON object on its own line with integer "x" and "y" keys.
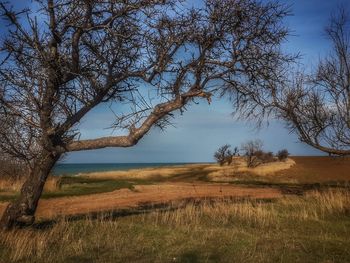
{"x": 21, "y": 211}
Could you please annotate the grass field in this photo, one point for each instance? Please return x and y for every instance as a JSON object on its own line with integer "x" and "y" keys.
{"x": 307, "y": 221}
{"x": 313, "y": 228}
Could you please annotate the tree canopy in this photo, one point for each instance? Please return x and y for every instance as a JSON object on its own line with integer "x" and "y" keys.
{"x": 64, "y": 58}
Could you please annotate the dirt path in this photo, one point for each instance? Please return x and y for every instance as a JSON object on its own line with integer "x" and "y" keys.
{"x": 142, "y": 194}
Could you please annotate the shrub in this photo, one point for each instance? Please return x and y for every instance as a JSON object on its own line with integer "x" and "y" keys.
{"x": 251, "y": 149}
{"x": 282, "y": 155}
{"x": 255, "y": 154}
{"x": 224, "y": 154}
{"x": 265, "y": 157}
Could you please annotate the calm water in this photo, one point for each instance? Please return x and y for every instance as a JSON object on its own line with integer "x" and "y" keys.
{"x": 76, "y": 168}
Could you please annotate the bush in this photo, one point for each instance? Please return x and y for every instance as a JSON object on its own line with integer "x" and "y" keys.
{"x": 282, "y": 155}
{"x": 255, "y": 155}
{"x": 252, "y": 149}
{"x": 224, "y": 155}
{"x": 265, "y": 157}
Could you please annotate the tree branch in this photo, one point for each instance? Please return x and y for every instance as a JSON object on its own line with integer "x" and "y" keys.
{"x": 135, "y": 134}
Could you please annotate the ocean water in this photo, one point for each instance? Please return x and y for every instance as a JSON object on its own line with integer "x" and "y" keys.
{"x": 76, "y": 168}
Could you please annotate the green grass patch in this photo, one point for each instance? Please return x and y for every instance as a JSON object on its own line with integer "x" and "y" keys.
{"x": 85, "y": 186}
{"x": 77, "y": 186}
{"x": 8, "y": 197}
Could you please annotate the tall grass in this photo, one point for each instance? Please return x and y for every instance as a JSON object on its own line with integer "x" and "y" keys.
{"x": 53, "y": 183}
{"x": 7, "y": 184}
{"x": 220, "y": 211}
{"x": 318, "y": 205}
{"x": 311, "y": 228}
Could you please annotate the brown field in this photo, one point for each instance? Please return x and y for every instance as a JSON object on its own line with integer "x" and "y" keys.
{"x": 187, "y": 182}
{"x": 299, "y": 169}
{"x": 318, "y": 169}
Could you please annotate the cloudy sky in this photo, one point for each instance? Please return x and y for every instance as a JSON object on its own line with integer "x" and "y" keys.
{"x": 200, "y": 130}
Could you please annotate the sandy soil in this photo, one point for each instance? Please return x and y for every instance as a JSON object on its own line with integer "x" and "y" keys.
{"x": 150, "y": 194}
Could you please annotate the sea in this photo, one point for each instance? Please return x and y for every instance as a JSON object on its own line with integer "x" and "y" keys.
{"x": 78, "y": 168}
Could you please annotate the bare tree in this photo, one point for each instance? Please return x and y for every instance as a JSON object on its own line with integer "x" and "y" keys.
{"x": 235, "y": 151}
{"x": 224, "y": 155}
{"x": 62, "y": 60}
{"x": 252, "y": 149}
{"x": 282, "y": 155}
{"x": 317, "y": 107}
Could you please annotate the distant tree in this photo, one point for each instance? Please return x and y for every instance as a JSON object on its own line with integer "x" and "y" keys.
{"x": 282, "y": 155}
{"x": 252, "y": 149}
{"x": 236, "y": 151}
{"x": 59, "y": 62}
{"x": 264, "y": 157}
{"x": 224, "y": 155}
{"x": 254, "y": 153}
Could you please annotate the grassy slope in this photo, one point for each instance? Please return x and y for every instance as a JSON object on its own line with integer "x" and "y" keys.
{"x": 314, "y": 228}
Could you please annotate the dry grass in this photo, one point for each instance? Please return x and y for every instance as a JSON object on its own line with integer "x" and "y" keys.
{"x": 214, "y": 172}
{"x": 9, "y": 185}
{"x": 52, "y": 184}
{"x": 294, "y": 229}
{"x": 220, "y": 211}
{"x": 144, "y": 173}
{"x": 239, "y": 166}
{"x": 318, "y": 205}
{"x": 272, "y": 168}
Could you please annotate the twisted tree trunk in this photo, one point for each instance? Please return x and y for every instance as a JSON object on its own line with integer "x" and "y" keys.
{"x": 22, "y": 210}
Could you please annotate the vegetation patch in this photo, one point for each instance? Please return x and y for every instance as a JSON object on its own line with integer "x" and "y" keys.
{"x": 77, "y": 186}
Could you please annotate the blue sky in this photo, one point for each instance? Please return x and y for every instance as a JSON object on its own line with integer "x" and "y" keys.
{"x": 203, "y": 128}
